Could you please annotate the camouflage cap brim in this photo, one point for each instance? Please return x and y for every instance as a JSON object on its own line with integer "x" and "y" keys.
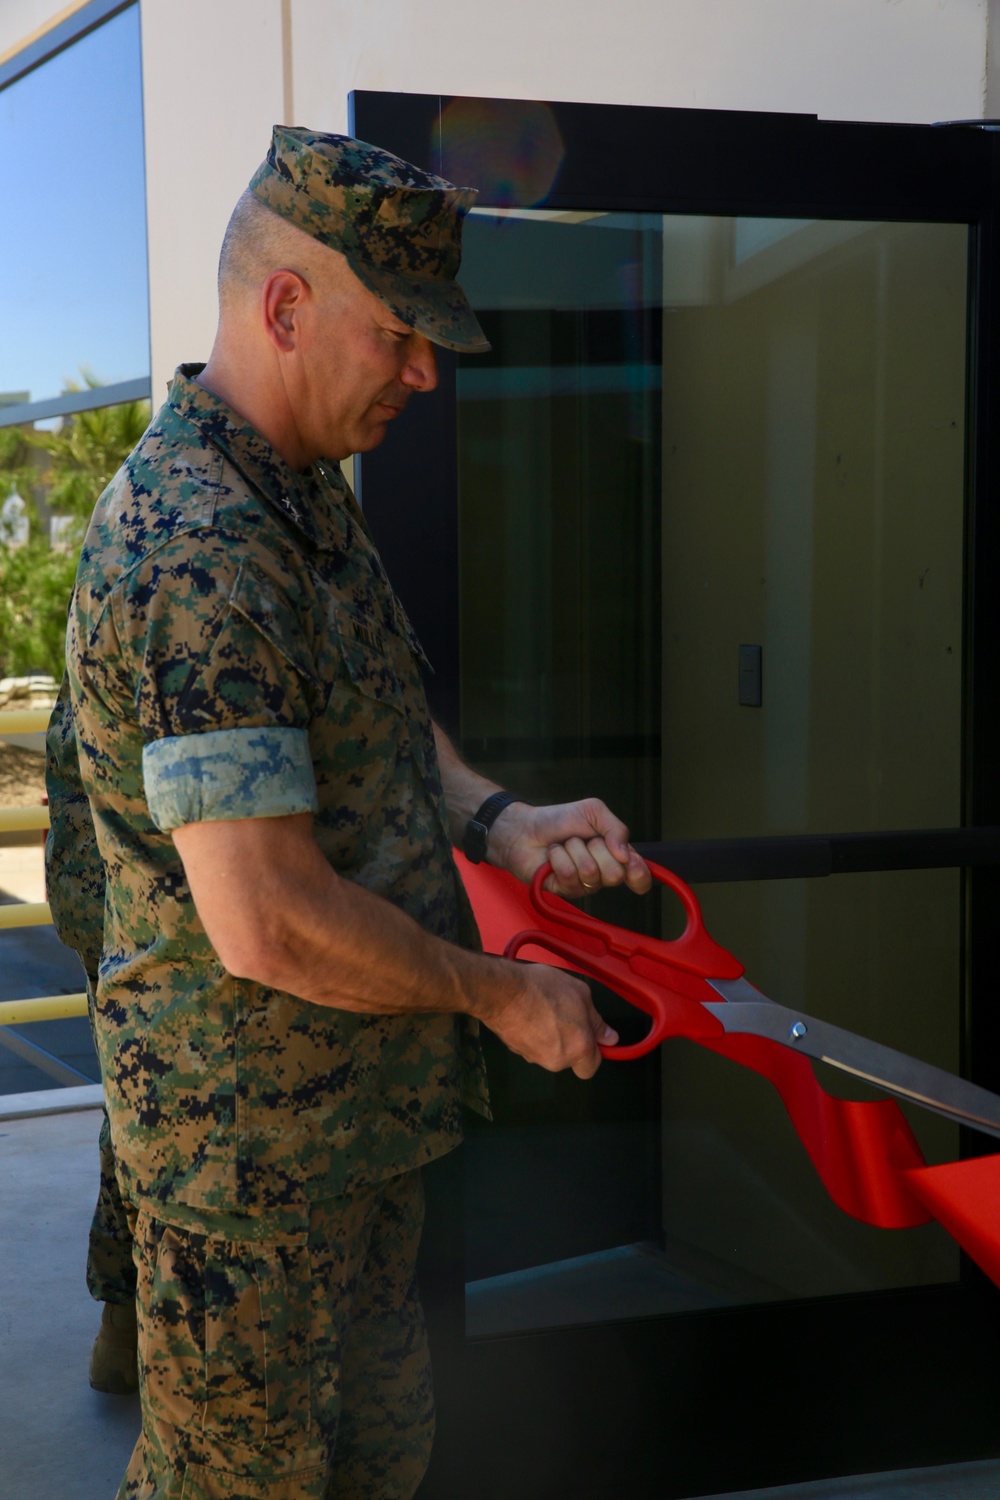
{"x": 399, "y": 227}
{"x": 438, "y": 309}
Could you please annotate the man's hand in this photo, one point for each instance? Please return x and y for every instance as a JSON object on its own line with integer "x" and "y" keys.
{"x": 584, "y": 842}
{"x": 552, "y": 1022}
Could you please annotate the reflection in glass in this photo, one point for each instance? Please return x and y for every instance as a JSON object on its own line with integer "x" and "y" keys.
{"x": 73, "y": 293}
{"x": 695, "y": 434}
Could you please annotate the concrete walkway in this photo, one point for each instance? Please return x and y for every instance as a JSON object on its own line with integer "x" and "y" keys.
{"x": 59, "y": 1440}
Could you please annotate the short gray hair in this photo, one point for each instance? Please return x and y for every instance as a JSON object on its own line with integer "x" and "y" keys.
{"x": 258, "y": 241}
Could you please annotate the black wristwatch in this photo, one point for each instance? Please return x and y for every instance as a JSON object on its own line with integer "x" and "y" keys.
{"x": 478, "y": 827}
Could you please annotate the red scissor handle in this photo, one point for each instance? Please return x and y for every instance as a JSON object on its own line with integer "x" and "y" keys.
{"x": 664, "y": 979}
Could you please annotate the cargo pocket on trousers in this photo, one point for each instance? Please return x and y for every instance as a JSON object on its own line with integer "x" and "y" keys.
{"x": 170, "y": 1299}
{"x": 257, "y": 1344}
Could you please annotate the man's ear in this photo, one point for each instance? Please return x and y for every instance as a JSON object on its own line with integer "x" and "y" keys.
{"x": 282, "y": 299}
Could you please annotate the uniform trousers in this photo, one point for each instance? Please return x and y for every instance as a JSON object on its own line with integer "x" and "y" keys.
{"x": 283, "y": 1365}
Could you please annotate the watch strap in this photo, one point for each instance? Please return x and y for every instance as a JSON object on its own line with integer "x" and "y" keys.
{"x": 478, "y": 827}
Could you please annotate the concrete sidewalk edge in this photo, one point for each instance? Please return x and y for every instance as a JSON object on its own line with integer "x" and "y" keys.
{"x": 50, "y": 1101}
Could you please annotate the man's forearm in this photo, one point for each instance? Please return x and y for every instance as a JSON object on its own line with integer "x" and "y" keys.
{"x": 277, "y": 913}
{"x": 299, "y": 927}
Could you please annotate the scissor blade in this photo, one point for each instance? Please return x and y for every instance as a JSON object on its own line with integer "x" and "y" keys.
{"x": 744, "y": 1009}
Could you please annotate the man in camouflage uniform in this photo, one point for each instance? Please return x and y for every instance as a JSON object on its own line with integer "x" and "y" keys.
{"x": 289, "y": 989}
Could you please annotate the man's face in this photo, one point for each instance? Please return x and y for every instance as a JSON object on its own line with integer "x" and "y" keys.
{"x": 360, "y": 366}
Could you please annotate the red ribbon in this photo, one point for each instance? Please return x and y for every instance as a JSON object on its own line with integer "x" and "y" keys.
{"x": 865, "y": 1154}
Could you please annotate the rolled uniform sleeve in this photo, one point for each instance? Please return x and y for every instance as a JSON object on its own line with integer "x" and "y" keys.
{"x": 228, "y": 773}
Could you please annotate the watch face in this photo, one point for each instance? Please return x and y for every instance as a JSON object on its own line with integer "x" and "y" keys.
{"x": 474, "y": 842}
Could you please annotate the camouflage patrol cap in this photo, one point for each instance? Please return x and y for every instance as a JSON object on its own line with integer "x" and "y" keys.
{"x": 400, "y": 228}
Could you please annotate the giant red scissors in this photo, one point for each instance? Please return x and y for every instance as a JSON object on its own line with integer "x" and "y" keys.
{"x": 865, "y": 1152}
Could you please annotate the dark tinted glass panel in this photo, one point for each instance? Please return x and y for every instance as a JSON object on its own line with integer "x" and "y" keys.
{"x": 696, "y": 436}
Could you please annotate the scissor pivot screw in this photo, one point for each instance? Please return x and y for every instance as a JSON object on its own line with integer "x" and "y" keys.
{"x": 798, "y": 1031}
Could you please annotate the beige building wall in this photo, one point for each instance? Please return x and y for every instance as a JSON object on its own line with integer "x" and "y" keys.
{"x": 212, "y": 77}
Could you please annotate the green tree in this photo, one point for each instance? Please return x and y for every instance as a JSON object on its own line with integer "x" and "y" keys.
{"x": 18, "y": 471}
{"x": 61, "y": 473}
{"x": 86, "y": 451}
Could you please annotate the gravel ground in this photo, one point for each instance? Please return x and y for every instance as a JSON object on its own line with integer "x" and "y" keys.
{"x": 22, "y": 777}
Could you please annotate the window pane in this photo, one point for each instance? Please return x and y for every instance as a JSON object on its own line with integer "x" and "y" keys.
{"x": 73, "y": 291}
{"x": 695, "y": 435}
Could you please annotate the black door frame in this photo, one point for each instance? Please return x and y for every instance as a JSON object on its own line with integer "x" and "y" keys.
{"x": 707, "y": 1402}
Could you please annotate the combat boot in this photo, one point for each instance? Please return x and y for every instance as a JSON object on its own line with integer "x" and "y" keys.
{"x": 113, "y": 1357}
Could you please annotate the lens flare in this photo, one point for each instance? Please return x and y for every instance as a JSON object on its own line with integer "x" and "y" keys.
{"x": 509, "y": 149}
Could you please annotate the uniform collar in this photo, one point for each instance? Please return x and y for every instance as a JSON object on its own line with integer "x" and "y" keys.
{"x": 306, "y": 498}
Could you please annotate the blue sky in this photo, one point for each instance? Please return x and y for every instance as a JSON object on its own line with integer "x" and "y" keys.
{"x": 73, "y": 281}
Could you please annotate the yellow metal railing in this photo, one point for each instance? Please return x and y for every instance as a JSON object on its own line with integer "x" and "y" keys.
{"x": 31, "y": 913}
{"x": 25, "y": 914}
{"x": 42, "y": 1008}
{"x": 23, "y": 819}
{"x": 24, "y": 720}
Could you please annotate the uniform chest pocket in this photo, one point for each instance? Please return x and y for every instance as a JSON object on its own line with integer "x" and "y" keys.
{"x": 258, "y": 601}
{"x": 369, "y": 661}
{"x": 372, "y": 674}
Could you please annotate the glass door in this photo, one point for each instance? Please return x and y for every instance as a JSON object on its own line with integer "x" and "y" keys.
{"x": 709, "y": 529}
{"x": 716, "y": 436}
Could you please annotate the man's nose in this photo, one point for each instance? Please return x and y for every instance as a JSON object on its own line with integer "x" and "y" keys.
{"x": 420, "y": 372}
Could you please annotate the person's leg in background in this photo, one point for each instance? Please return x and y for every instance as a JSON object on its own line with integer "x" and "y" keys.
{"x": 111, "y": 1269}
